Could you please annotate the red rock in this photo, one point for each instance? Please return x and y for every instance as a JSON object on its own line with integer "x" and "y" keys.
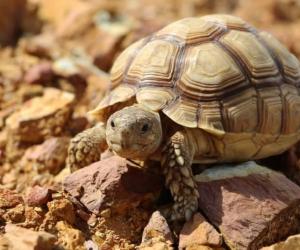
{"x": 112, "y": 182}
{"x": 199, "y": 232}
{"x": 252, "y": 206}
{"x": 49, "y": 156}
{"x": 38, "y": 196}
{"x": 25, "y": 239}
{"x": 9, "y": 199}
{"x": 157, "y": 227}
{"x": 40, "y": 73}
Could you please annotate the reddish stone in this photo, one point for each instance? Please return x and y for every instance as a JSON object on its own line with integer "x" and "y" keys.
{"x": 40, "y": 73}
{"x": 112, "y": 182}
{"x": 9, "y": 199}
{"x": 251, "y": 205}
{"x": 38, "y": 196}
{"x": 49, "y": 156}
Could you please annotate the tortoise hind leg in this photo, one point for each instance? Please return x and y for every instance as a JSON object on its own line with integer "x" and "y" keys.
{"x": 86, "y": 147}
{"x": 177, "y": 158}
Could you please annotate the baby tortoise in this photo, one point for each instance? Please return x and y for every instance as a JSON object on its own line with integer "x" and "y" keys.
{"x": 207, "y": 89}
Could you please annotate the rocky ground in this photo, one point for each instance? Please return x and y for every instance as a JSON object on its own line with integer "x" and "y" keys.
{"x": 54, "y": 67}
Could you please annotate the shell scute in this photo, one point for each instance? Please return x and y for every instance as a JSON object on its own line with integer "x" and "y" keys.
{"x": 240, "y": 111}
{"x": 216, "y": 73}
{"x": 270, "y": 106}
{"x": 191, "y": 30}
{"x": 154, "y": 64}
{"x": 254, "y": 55}
{"x": 208, "y": 72}
{"x": 117, "y": 71}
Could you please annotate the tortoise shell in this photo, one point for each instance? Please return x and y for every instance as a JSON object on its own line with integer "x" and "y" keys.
{"x": 214, "y": 72}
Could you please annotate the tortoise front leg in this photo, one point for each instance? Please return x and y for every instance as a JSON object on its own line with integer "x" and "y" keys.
{"x": 177, "y": 158}
{"x": 86, "y": 147}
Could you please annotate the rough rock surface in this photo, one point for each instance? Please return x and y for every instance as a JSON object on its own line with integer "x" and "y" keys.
{"x": 41, "y": 117}
{"x": 70, "y": 238}
{"x": 112, "y": 183}
{"x": 47, "y": 157}
{"x": 198, "y": 232}
{"x": 157, "y": 233}
{"x": 156, "y": 227}
{"x": 9, "y": 198}
{"x": 291, "y": 243}
{"x": 38, "y": 196}
{"x": 21, "y": 238}
{"x": 252, "y": 206}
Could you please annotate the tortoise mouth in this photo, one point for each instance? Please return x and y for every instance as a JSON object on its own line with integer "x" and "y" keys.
{"x": 134, "y": 150}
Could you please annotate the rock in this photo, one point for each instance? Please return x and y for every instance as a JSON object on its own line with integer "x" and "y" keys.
{"x": 11, "y": 14}
{"x": 98, "y": 86}
{"x": 15, "y": 214}
{"x": 26, "y": 92}
{"x": 110, "y": 29}
{"x": 104, "y": 55}
{"x": 54, "y": 13}
{"x": 156, "y": 244}
{"x": 66, "y": 67}
{"x": 291, "y": 243}
{"x": 157, "y": 227}
{"x": 70, "y": 238}
{"x": 77, "y": 21}
{"x": 198, "y": 232}
{"x": 25, "y": 239}
{"x": 9, "y": 199}
{"x": 41, "y": 73}
{"x": 252, "y": 206}
{"x": 41, "y": 117}
{"x": 62, "y": 209}
{"x": 49, "y": 156}
{"x": 38, "y": 196}
{"x": 287, "y": 9}
{"x": 113, "y": 182}
{"x": 44, "y": 45}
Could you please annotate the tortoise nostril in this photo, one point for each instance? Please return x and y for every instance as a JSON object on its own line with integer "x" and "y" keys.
{"x": 112, "y": 124}
{"x": 145, "y": 128}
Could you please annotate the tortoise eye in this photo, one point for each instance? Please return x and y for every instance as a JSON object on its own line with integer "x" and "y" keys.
{"x": 145, "y": 128}
{"x": 112, "y": 124}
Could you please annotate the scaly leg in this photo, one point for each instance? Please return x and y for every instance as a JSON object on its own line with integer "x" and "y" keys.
{"x": 177, "y": 158}
{"x": 86, "y": 147}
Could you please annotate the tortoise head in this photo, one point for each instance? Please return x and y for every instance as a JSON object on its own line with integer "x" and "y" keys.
{"x": 134, "y": 132}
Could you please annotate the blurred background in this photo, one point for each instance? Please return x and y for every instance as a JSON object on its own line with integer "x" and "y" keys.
{"x": 70, "y": 45}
